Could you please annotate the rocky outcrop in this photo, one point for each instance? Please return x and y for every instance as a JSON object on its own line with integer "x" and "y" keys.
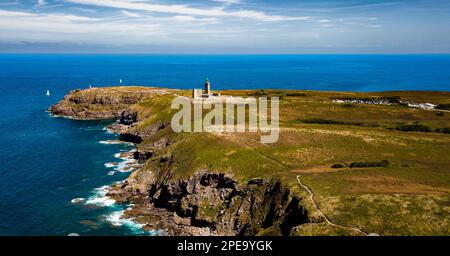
{"x": 138, "y": 135}
{"x": 143, "y": 155}
{"x": 215, "y": 204}
{"x": 128, "y": 117}
{"x": 102, "y": 103}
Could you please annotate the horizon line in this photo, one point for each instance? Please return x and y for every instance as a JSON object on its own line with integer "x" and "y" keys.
{"x": 236, "y": 53}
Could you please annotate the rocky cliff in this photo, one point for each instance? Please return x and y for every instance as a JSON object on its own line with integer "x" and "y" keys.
{"x": 215, "y": 204}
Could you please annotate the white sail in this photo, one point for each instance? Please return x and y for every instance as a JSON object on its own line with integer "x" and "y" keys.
{"x": 120, "y": 81}
{"x": 47, "y": 93}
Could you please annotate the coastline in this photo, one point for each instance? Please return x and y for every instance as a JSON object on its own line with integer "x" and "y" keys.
{"x": 158, "y": 199}
{"x": 100, "y": 197}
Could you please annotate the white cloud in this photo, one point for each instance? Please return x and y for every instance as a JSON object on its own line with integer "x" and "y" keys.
{"x": 131, "y": 14}
{"x": 50, "y": 27}
{"x": 185, "y": 18}
{"x": 228, "y": 2}
{"x": 17, "y": 26}
{"x": 187, "y": 10}
{"x": 40, "y": 3}
{"x": 324, "y": 21}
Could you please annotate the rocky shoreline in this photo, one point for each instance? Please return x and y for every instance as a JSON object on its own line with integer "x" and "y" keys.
{"x": 206, "y": 203}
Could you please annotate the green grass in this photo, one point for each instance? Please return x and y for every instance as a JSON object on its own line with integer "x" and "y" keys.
{"x": 408, "y": 196}
{"x": 392, "y": 214}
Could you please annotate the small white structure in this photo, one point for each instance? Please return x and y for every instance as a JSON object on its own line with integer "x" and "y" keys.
{"x": 197, "y": 93}
{"x": 206, "y": 93}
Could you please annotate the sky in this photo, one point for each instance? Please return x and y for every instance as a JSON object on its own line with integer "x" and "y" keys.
{"x": 225, "y": 26}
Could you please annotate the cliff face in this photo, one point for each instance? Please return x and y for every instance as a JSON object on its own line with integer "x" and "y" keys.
{"x": 217, "y": 202}
{"x": 204, "y": 202}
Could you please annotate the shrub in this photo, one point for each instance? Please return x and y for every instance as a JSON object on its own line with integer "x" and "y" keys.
{"x": 383, "y": 163}
{"x": 392, "y": 99}
{"x": 413, "y": 128}
{"x": 321, "y": 121}
{"x": 326, "y": 121}
{"x": 296, "y": 94}
{"x": 443, "y": 106}
{"x": 445, "y": 130}
{"x": 338, "y": 166}
{"x": 260, "y": 93}
{"x": 440, "y": 113}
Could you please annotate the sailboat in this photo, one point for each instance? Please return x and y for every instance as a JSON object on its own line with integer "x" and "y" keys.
{"x": 47, "y": 93}
{"x": 120, "y": 81}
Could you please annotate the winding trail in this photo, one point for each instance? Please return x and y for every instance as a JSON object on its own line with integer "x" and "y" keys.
{"x": 311, "y": 194}
{"x": 327, "y": 220}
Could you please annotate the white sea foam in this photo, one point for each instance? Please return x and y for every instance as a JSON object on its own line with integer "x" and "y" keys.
{"x": 108, "y": 131}
{"x": 125, "y": 166}
{"x": 100, "y": 199}
{"x": 116, "y": 219}
{"x": 111, "y": 164}
{"x": 77, "y": 200}
{"x": 110, "y": 142}
{"x": 128, "y": 163}
{"x": 114, "y": 142}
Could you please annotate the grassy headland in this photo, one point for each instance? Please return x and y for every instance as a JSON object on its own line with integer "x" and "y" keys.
{"x": 381, "y": 168}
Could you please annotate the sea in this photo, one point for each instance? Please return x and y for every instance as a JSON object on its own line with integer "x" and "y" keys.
{"x": 54, "y": 172}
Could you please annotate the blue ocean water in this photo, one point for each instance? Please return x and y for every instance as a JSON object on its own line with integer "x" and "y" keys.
{"x": 46, "y": 162}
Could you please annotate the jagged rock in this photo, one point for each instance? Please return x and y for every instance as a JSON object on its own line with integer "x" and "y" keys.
{"x": 137, "y": 136}
{"x": 118, "y": 128}
{"x": 128, "y": 117}
{"x": 256, "y": 181}
{"x": 143, "y": 155}
{"x": 130, "y": 137}
{"x": 215, "y": 201}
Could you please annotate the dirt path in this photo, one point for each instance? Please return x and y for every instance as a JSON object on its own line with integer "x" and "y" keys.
{"x": 328, "y": 221}
{"x": 299, "y": 182}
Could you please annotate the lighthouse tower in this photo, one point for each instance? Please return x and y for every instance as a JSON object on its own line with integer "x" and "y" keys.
{"x": 207, "y": 87}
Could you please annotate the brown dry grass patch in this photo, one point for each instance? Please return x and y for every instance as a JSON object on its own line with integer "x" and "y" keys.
{"x": 390, "y": 185}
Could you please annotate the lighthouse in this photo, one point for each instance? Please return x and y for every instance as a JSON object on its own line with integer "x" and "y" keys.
{"x": 204, "y": 93}
{"x": 207, "y": 87}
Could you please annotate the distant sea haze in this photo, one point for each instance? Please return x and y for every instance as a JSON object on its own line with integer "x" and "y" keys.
{"x": 52, "y": 167}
